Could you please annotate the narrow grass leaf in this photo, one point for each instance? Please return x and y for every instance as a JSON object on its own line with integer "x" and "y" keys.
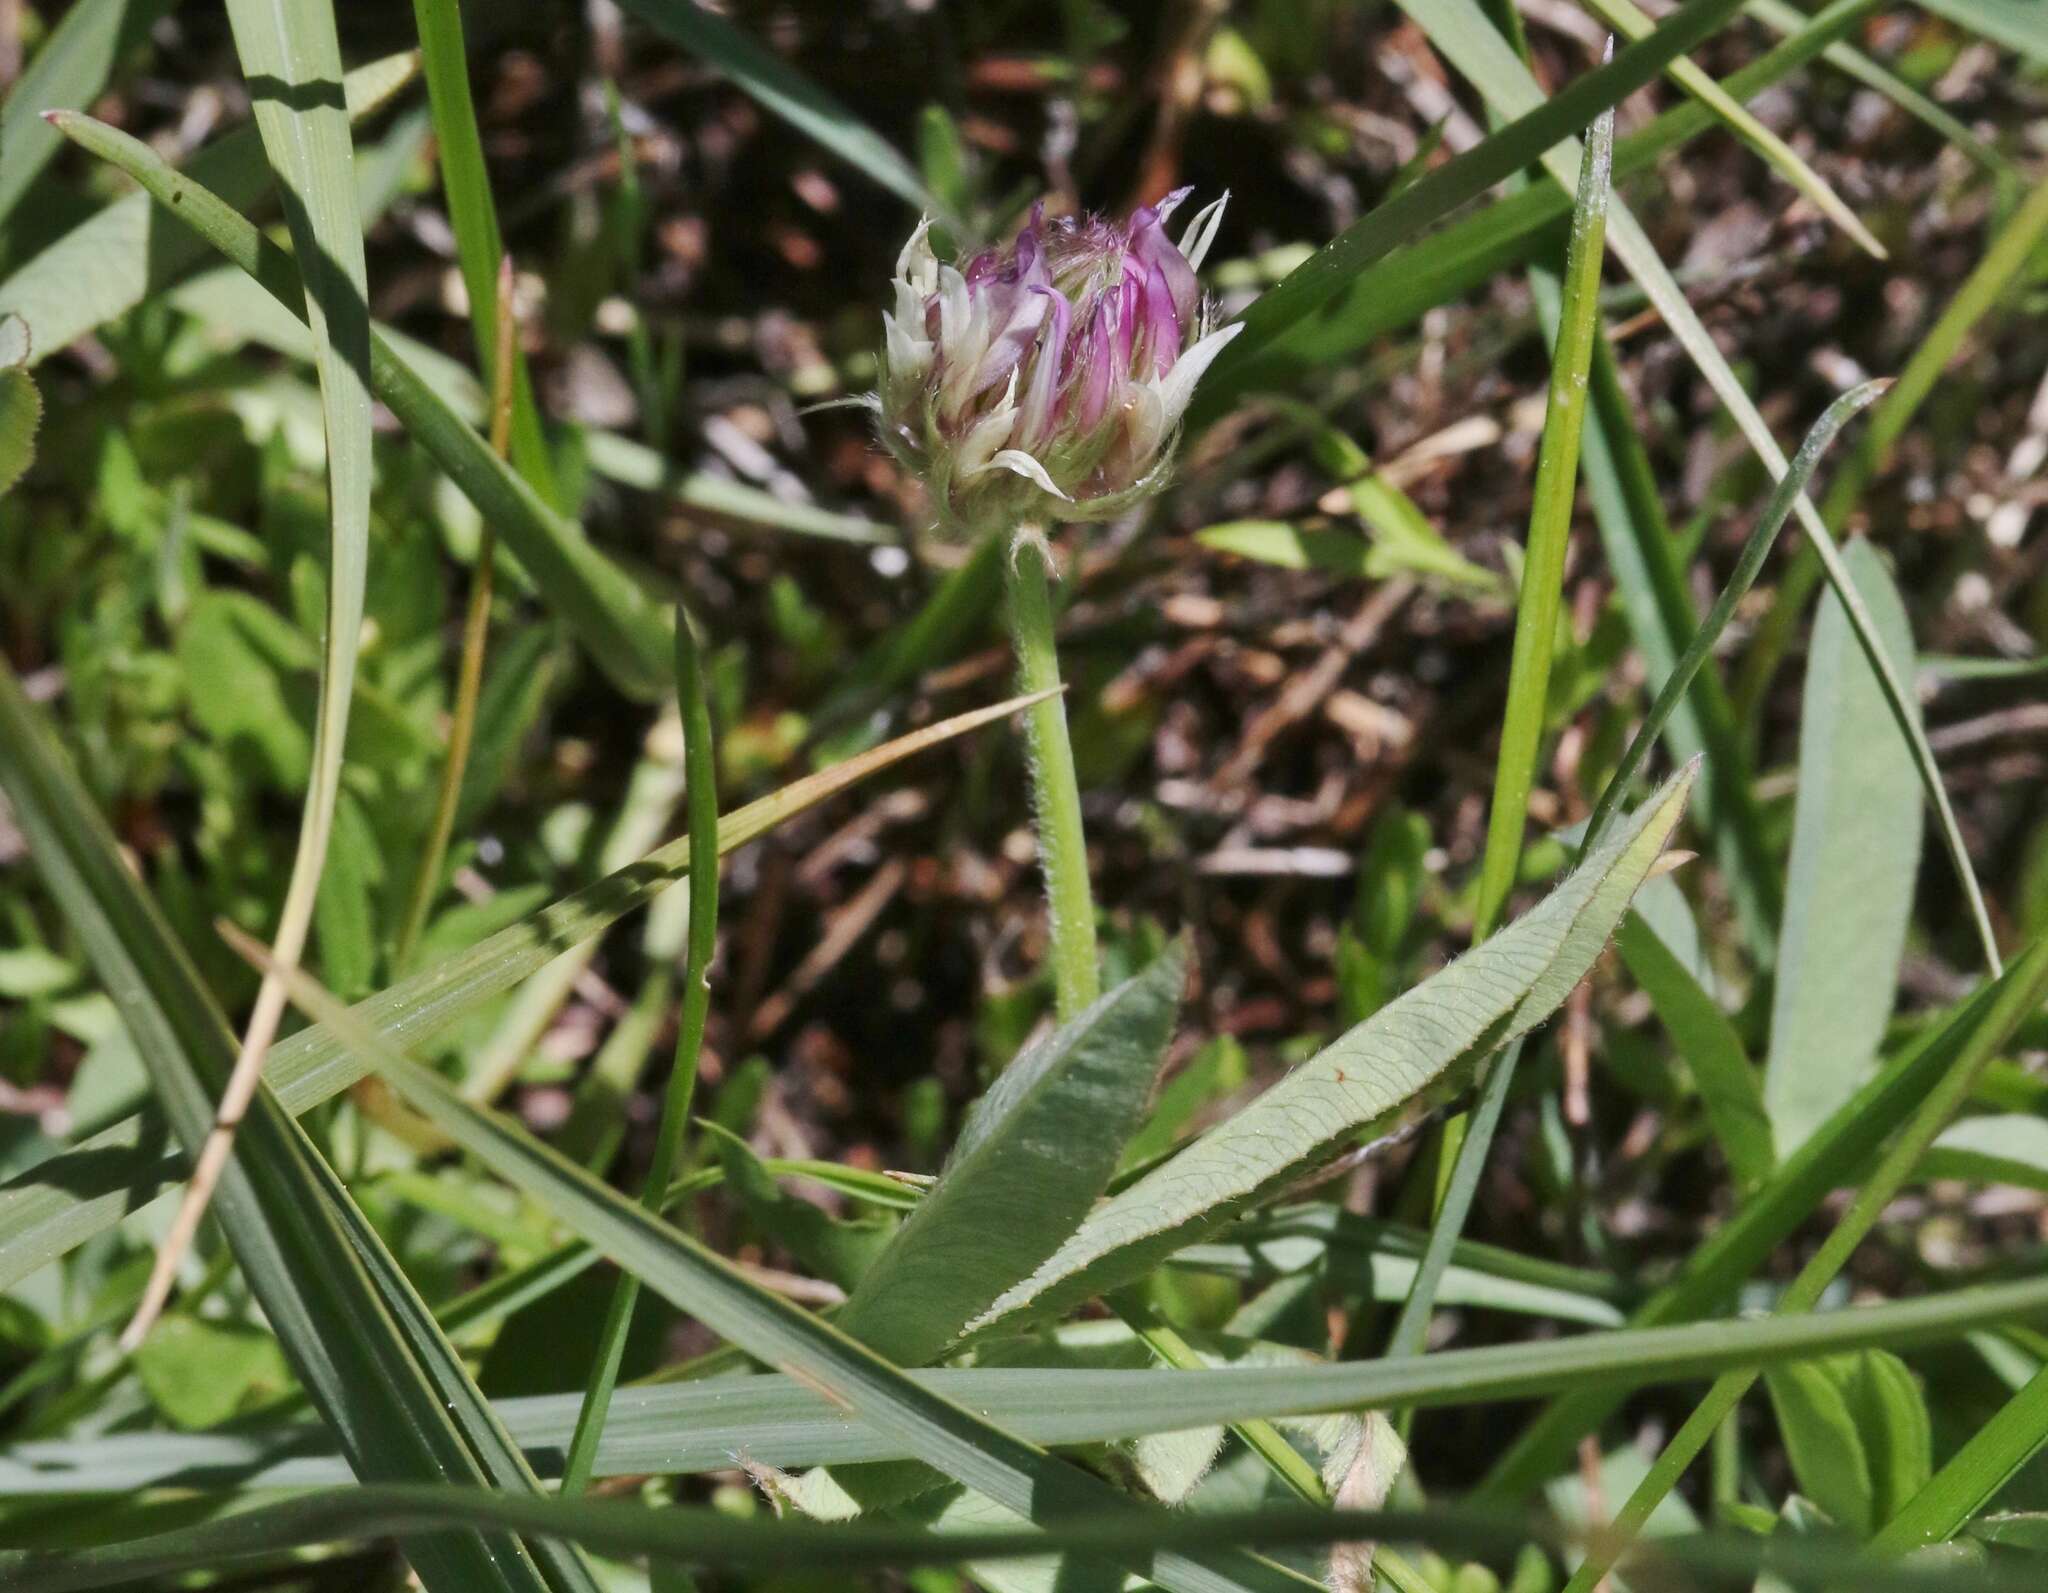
{"x": 1973, "y": 1476}
{"x": 786, "y": 1421}
{"x": 472, "y": 213}
{"x": 1730, "y": 1088}
{"x": 291, "y": 61}
{"x": 700, "y": 770}
{"x": 1397, "y": 290}
{"x": 82, "y": 1191}
{"x": 1840, "y": 1153}
{"x": 1629, "y": 19}
{"x": 128, "y": 249}
{"x": 1855, "y": 859}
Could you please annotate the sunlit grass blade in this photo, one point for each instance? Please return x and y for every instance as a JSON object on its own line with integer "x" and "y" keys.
{"x": 701, "y": 794}
{"x": 788, "y": 93}
{"x": 274, "y": 1202}
{"x": 69, "y": 70}
{"x": 84, "y": 1190}
{"x": 784, "y": 1421}
{"x": 626, "y": 633}
{"x": 2017, "y": 996}
{"x": 1630, "y": 20}
{"x": 291, "y": 59}
{"x": 1017, "y": 1475}
{"x": 1461, "y": 32}
{"x": 472, "y": 213}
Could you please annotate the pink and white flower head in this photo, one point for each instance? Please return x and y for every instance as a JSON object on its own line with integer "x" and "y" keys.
{"x": 1047, "y": 379}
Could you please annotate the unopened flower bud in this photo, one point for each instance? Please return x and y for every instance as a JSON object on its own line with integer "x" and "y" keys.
{"x": 1047, "y": 379}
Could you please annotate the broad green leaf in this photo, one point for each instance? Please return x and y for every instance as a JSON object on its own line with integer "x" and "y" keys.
{"x": 199, "y": 1372}
{"x": 1823, "y": 1443}
{"x": 128, "y": 249}
{"x": 1029, "y": 1163}
{"x": 1856, "y": 1432}
{"x": 21, "y": 412}
{"x": 1418, "y": 1048}
{"x": 625, "y": 632}
{"x": 1855, "y": 859}
{"x": 1727, "y": 1080}
{"x": 1014, "y": 1473}
{"x": 282, "y": 1211}
{"x": 787, "y": 93}
{"x": 66, "y": 1200}
{"x": 69, "y": 70}
{"x": 786, "y": 1421}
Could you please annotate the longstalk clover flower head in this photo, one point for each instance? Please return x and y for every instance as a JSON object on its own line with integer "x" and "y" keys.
{"x": 1047, "y": 379}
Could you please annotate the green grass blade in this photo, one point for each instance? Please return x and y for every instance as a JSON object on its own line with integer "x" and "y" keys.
{"x": 1459, "y": 30}
{"x": 274, "y": 1205}
{"x": 1973, "y": 1476}
{"x": 624, "y": 630}
{"x": 68, "y": 71}
{"x": 787, "y": 93}
{"x": 1026, "y": 1169}
{"x": 1415, "y": 1049}
{"x": 479, "y": 246}
{"x": 127, "y": 249}
{"x": 1631, "y": 21}
{"x": 696, "y": 1535}
{"x": 785, "y": 1421}
{"x": 291, "y": 60}
{"x": 1729, "y": 1086}
{"x": 1856, "y": 825}
{"x": 1019, "y": 1476}
{"x": 1550, "y": 528}
{"x": 700, "y": 759}
{"x": 64, "y": 1201}
{"x": 1541, "y": 125}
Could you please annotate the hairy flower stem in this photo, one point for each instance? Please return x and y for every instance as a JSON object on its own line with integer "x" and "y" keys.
{"x": 1056, "y": 795}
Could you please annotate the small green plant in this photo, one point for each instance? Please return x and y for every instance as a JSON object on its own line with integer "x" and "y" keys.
{"x": 1297, "y": 1193}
